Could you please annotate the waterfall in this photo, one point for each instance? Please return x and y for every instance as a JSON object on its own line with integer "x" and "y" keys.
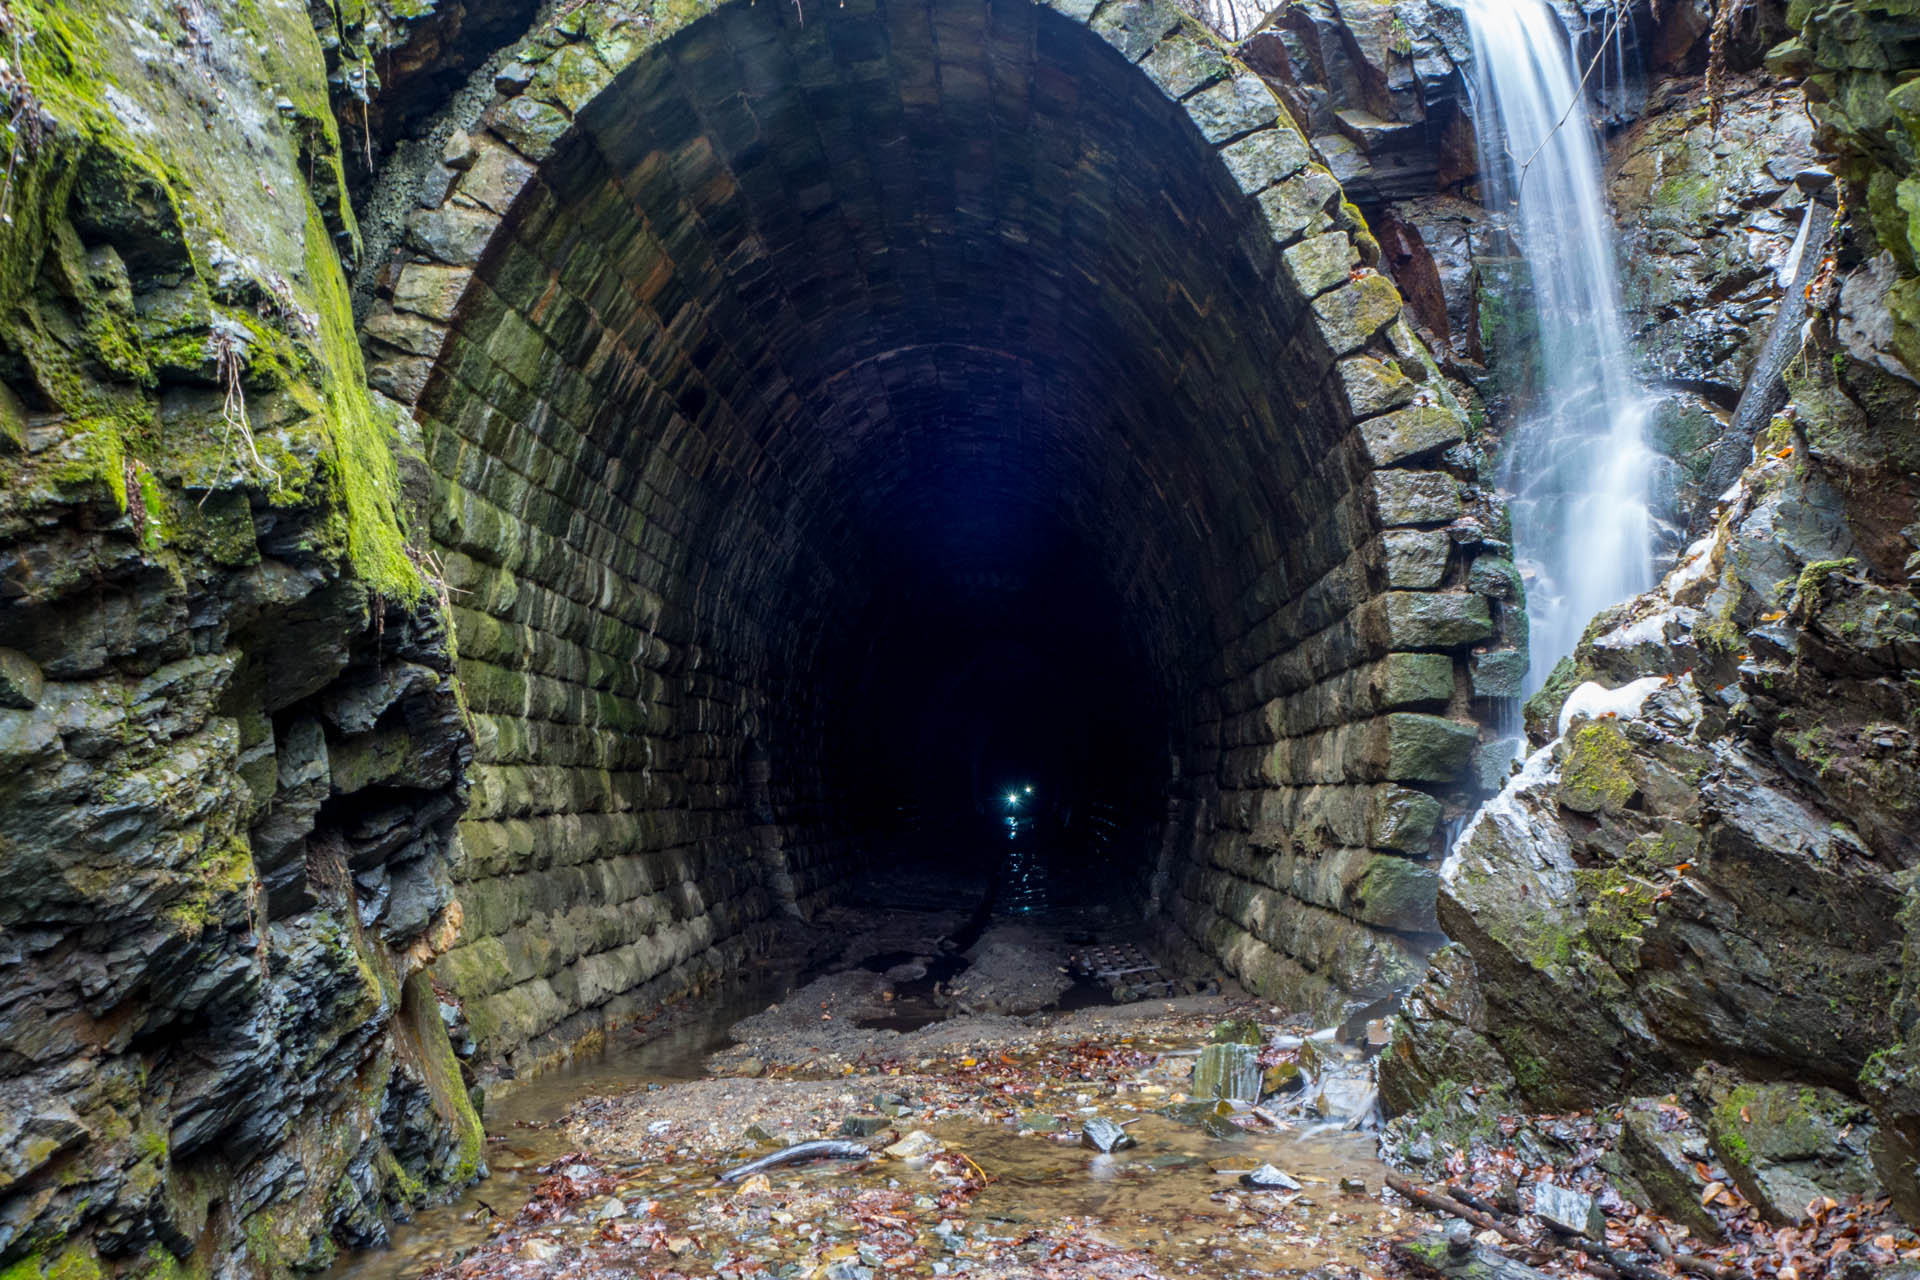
{"x": 1576, "y": 468}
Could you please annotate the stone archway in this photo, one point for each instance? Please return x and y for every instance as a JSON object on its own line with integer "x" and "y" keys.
{"x": 733, "y": 341}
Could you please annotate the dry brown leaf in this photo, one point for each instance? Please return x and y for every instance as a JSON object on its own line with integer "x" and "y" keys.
{"x": 1714, "y": 1191}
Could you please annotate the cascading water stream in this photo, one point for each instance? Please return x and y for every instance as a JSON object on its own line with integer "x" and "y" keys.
{"x": 1577, "y": 466}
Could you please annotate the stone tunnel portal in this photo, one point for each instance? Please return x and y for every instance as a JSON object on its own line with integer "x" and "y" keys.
{"x": 858, "y": 396}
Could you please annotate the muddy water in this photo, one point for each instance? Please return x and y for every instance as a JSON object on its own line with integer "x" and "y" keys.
{"x": 522, "y": 1133}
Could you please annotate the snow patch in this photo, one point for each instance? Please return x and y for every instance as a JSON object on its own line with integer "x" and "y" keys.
{"x": 1592, "y": 701}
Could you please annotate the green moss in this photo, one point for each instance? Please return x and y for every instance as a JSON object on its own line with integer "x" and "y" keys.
{"x": 152, "y": 1145}
{"x": 1543, "y": 708}
{"x": 1456, "y": 1117}
{"x": 1619, "y": 907}
{"x": 1732, "y": 1143}
{"x": 73, "y": 1263}
{"x": 1812, "y": 580}
{"x": 423, "y": 1036}
{"x": 362, "y": 465}
{"x": 401, "y": 1185}
{"x": 224, "y": 869}
{"x": 1529, "y": 1072}
{"x": 1597, "y": 776}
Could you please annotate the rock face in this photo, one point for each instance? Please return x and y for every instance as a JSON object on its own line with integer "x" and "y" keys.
{"x": 1712, "y": 862}
{"x": 1709, "y": 212}
{"x": 231, "y": 754}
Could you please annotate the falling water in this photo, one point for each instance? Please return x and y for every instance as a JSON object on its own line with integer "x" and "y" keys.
{"x": 1577, "y": 466}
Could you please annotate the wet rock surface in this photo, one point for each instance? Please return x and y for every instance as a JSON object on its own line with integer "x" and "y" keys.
{"x": 1706, "y": 860}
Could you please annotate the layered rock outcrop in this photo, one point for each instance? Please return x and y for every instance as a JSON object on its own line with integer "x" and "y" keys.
{"x": 231, "y": 753}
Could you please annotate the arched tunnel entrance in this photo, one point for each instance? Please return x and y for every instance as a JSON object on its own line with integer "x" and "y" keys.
{"x": 854, "y": 398}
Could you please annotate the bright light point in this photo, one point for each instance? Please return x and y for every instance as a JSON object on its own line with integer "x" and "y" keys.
{"x": 1013, "y": 798}
{"x": 1029, "y": 790}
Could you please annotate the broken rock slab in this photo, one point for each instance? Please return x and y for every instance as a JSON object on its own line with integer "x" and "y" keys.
{"x": 1102, "y": 1134}
{"x": 1268, "y": 1178}
{"x": 1787, "y": 1145}
{"x": 1568, "y": 1212}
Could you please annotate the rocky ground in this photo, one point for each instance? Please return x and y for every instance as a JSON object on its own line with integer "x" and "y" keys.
{"x": 1208, "y": 1135}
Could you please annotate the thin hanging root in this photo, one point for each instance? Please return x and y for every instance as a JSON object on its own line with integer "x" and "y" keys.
{"x": 1607, "y": 33}
{"x": 229, "y": 358}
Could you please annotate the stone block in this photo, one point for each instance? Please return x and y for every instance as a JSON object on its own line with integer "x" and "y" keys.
{"x": 1300, "y": 205}
{"x": 1415, "y": 559}
{"x": 1403, "y": 819}
{"x": 1436, "y": 619}
{"x": 1415, "y": 497}
{"x": 1184, "y": 62}
{"x": 1396, "y": 893}
{"x": 452, "y": 234}
{"x": 1402, "y": 679}
{"x": 1410, "y": 747}
{"x": 1499, "y": 674}
{"x": 1233, "y": 108}
{"x": 495, "y": 178}
{"x": 571, "y": 77}
{"x": 1320, "y": 262}
{"x": 1411, "y": 433}
{"x": 1493, "y": 763}
{"x": 1263, "y": 158}
{"x": 430, "y": 289}
{"x": 529, "y": 126}
{"x": 1495, "y": 576}
{"x": 1350, "y": 316}
{"x": 1134, "y": 27}
{"x": 1373, "y": 386}
{"x": 414, "y": 334}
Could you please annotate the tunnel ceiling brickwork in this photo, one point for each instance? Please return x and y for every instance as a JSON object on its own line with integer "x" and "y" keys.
{"x": 707, "y": 320}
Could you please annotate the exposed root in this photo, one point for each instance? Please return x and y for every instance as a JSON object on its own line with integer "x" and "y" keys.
{"x": 229, "y": 343}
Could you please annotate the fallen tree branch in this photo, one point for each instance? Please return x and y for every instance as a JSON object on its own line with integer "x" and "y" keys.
{"x": 1453, "y": 1208}
{"x": 1693, "y": 1263}
{"x": 824, "y": 1149}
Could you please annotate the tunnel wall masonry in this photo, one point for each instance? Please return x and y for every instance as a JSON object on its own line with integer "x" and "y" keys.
{"x": 607, "y": 855}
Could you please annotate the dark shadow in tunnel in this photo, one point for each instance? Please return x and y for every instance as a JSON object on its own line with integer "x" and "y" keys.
{"x": 1003, "y": 692}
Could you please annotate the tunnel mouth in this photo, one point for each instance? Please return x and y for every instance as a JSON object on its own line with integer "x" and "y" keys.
{"x": 854, "y": 415}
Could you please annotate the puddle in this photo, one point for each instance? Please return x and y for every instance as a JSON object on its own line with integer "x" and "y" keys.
{"x": 1164, "y": 1198}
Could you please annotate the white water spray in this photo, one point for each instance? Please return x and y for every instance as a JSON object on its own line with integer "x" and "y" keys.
{"x": 1577, "y": 468}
